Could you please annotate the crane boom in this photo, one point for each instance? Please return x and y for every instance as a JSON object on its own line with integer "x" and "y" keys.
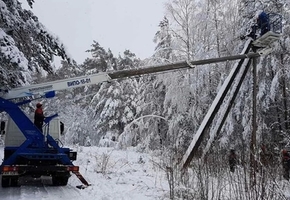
{"x": 64, "y": 84}
{"x": 43, "y": 88}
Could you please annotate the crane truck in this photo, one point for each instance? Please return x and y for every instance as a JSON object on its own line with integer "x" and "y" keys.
{"x": 39, "y": 154}
{"x": 30, "y": 152}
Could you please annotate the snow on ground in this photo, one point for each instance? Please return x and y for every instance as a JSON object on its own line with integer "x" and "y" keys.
{"x": 114, "y": 174}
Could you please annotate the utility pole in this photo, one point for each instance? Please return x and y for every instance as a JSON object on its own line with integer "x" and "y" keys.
{"x": 253, "y": 161}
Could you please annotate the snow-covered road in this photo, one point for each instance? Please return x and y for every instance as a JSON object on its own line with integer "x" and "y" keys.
{"x": 114, "y": 174}
{"x": 38, "y": 190}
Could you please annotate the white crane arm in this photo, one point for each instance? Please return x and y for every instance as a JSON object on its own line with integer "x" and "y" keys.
{"x": 42, "y": 88}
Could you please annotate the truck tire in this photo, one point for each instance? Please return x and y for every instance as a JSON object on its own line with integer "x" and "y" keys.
{"x": 5, "y": 181}
{"x": 14, "y": 181}
{"x": 8, "y": 181}
{"x": 60, "y": 179}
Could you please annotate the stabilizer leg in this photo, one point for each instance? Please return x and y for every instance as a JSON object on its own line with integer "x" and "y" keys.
{"x": 82, "y": 179}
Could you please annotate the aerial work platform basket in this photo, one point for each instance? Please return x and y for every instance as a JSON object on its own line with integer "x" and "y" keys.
{"x": 275, "y": 32}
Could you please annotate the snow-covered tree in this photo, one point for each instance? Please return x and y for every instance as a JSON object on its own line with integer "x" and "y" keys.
{"x": 114, "y": 105}
{"x": 26, "y": 45}
{"x": 163, "y": 49}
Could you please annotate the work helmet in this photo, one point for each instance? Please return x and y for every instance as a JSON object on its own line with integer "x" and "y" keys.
{"x": 38, "y": 105}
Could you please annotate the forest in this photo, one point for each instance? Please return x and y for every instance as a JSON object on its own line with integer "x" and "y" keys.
{"x": 161, "y": 112}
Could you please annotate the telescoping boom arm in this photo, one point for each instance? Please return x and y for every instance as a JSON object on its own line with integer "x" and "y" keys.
{"x": 64, "y": 84}
{"x": 43, "y": 88}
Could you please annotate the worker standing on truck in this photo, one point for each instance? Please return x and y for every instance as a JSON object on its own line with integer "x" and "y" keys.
{"x": 38, "y": 116}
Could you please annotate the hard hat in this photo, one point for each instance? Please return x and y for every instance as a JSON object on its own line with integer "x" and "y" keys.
{"x": 38, "y": 105}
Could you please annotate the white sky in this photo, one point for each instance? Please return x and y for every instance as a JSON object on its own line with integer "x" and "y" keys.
{"x": 115, "y": 24}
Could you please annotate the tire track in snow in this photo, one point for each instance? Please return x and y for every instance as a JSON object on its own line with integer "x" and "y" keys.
{"x": 40, "y": 189}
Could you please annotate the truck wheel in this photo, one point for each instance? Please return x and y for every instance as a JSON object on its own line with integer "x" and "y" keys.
{"x": 8, "y": 181}
{"x": 14, "y": 181}
{"x": 60, "y": 180}
{"x": 5, "y": 181}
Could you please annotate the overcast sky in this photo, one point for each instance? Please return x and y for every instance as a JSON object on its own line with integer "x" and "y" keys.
{"x": 115, "y": 24}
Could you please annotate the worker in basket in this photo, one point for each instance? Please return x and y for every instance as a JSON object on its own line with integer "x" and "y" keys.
{"x": 263, "y": 22}
{"x": 38, "y": 116}
{"x": 260, "y": 21}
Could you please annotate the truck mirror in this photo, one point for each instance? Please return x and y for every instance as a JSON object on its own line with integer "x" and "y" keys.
{"x": 61, "y": 128}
